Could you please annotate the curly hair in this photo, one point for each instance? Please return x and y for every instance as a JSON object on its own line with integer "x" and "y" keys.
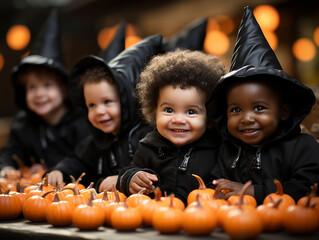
{"x": 181, "y": 68}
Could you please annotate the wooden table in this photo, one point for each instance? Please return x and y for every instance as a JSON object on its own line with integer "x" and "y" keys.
{"x": 24, "y": 229}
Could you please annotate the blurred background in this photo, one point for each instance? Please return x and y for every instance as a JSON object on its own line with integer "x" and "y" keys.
{"x": 87, "y": 26}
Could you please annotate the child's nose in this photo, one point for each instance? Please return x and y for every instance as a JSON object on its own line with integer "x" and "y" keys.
{"x": 100, "y": 109}
{"x": 248, "y": 117}
{"x": 179, "y": 118}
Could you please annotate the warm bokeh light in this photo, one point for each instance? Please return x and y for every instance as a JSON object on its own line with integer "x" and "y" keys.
{"x": 18, "y": 37}
{"x": 212, "y": 25}
{"x": 316, "y": 36}
{"x": 1, "y": 61}
{"x": 131, "y": 40}
{"x": 131, "y": 36}
{"x": 304, "y": 49}
{"x": 226, "y": 24}
{"x": 216, "y": 42}
{"x": 271, "y": 39}
{"x": 105, "y": 36}
{"x": 267, "y": 17}
{"x": 25, "y": 54}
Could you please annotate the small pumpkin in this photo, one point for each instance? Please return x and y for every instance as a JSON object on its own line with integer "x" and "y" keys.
{"x": 287, "y": 200}
{"x": 34, "y": 208}
{"x": 168, "y": 220}
{"x": 199, "y": 220}
{"x": 10, "y": 205}
{"x": 125, "y": 218}
{"x": 59, "y": 212}
{"x": 88, "y": 216}
{"x": 76, "y": 198}
{"x": 314, "y": 198}
{"x": 301, "y": 220}
{"x": 203, "y": 191}
{"x": 109, "y": 208}
{"x": 243, "y": 222}
{"x": 136, "y": 199}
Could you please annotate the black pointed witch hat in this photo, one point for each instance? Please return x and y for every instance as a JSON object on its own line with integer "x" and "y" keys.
{"x": 117, "y": 44}
{"x": 192, "y": 37}
{"x": 253, "y": 58}
{"x": 46, "y": 51}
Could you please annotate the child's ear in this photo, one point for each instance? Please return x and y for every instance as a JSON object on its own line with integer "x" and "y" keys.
{"x": 285, "y": 111}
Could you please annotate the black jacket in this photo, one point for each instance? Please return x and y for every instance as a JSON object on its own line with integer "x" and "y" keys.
{"x": 173, "y": 166}
{"x": 289, "y": 156}
{"x": 31, "y": 139}
{"x": 105, "y": 154}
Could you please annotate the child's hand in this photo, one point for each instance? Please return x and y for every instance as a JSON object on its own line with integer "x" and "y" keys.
{"x": 56, "y": 177}
{"x": 37, "y": 167}
{"x": 142, "y": 181}
{"x": 230, "y": 188}
{"x": 108, "y": 183}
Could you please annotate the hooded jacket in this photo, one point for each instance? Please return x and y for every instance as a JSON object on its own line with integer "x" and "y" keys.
{"x": 31, "y": 139}
{"x": 289, "y": 156}
{"x": 173, "y": 165}
{"x": 104, "y": 154}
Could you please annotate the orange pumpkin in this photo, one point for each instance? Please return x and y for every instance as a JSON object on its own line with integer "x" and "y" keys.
{"x": 271, "y": 216}
{"x": 176, "y": 202}
{"x": 88, "y": 216}
{"x": 314, "y": 198}
{"x": 10, "y": 205}
{"x": 76, "y": 198}
{"x": 34, "y": 208}
{"x": 301, "y": 220}
{"x": 76, "y": 182}
{"x": 136, "y": 199}
{"x": 168, "y": 220}
{"x": 59, "y": 213}
{"x": 199, "y": 220}
{"x": 109, "y": 208}
{"x": 243, "y": 222}
{"x": 287, "y": 200}
{"x": 125, "y": 218}
{"x": 205, "y": 193}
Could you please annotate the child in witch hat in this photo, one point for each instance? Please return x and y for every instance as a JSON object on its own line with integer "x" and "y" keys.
{"x": 48, "y": 126}
{"x": 173, "y": 91}
{"x": 258, "y": 111}
{"x": 106, "y": 91}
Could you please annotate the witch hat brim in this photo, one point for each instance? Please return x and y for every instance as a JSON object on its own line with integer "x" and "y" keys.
{"x": 117, "y": 44}
{"x": 46, "y": 51}
{"x": 254, "y": 58}
{"x": 192, "y": 37}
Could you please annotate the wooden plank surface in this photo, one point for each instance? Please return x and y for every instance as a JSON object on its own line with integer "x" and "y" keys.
{"x": 24, "y": 229}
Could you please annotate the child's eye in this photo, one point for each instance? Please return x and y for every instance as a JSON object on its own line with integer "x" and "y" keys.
{"x": 259, "y": 108}
{"x": 47, "y": 85}
{"x": 90, "y": 106}
{"x": 107, "y": 101}
{"x": 168, "y": 110}
{"x": 31, "y": 87}
{"x": 235, "y": 110}
{"x": 191, "y": 112}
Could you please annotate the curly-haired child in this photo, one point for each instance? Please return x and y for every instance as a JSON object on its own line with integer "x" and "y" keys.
{"x": 173, "y": 91}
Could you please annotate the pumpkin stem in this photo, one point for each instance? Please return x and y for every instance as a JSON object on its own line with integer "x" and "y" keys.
{"x": 125, "y": 203}
{"x": 91, "y": 199}
{"x": 56, "y": 198}
{"x": 47, "y": 193}
{"x": 46, "y": 180}
{"x": 243, "y": 191}
{"x": 280, "y": 190}
{"x": 198, "y": 204}
{"x": 105, "y": 197}
{"x": 308, "y": 202}
{"x": 7, "y": 191}
{"x": 157, "y": 194}
{"x": 171, "y": 205}
{"x": 116, "y": 195}
{"x": 141, "y": 191}
{"x": 91, "y": 185}
{"x": 314, "y": 189}
{"x": 200, "y": 181}
{"x": 276, "y": 205}
{"x": 74, "y": 189}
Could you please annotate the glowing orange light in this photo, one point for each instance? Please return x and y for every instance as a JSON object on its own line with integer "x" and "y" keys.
{"x": 271, "y": 39}
{"x": 105, "y": 36}
{"x": 130, "y": 30}
{"x": 316, "y": 36}
{"x": 1, "y": 61}
{"x": 226, "y": 23}
{"x": 131, "y": 40}
{"x": 212, "y": 25}
{"x": 216, "y": 42}
{"x": 267, "y": 17}
{"x": 18, "y": 37}
{"x": 304, "y": 49}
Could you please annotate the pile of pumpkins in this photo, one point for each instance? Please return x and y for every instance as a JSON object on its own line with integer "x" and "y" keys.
{"x": 239, "y": 216}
